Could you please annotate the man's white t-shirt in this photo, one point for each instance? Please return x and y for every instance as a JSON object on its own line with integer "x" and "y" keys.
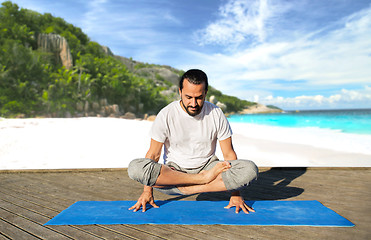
{"x": 190, "y": 141}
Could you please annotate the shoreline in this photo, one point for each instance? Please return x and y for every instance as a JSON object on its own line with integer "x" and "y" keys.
{"x": 87, "y": 143}
{"x": 296, "y": 155}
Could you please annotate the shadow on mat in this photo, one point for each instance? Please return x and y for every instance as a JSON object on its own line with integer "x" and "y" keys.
{"x": 271, "y": 185}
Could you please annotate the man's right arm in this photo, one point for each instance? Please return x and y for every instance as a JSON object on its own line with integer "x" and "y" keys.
{"x": 153, "y": 153}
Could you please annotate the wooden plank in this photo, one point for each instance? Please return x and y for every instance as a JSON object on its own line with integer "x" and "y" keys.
{"x": 197, "y": 233}
{"x": 27, "y": 205}
{"x": 92, "y": 231}
{"x": 76, "y": 187}
{"x": 132, "y": 232}
{"x": 73, "y": 231}
{"x": 242, "y": 232}
{"x": 40, "y": 218}
{"x": 83, "y": 232}
{"x": 124, "y": 230}
{"x": 163, "y": 232}
{"x": 10, "y": 231}
{"x": 3, "y": 237}
{"x": 91, "y": 182}
{"x": 29, "y": 226}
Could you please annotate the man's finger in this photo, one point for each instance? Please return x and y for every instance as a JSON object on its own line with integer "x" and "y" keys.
{"x": 250, "y": 209}
{"x": 228, "y": 207}
{"x": 237, "y": 209}
{"x": 137, "y": 207}
{"x": 244, "y": 209}
{"x": 154, "y": 205}
{"x": 144, "y": 207}
{"x": 134, "y": 206}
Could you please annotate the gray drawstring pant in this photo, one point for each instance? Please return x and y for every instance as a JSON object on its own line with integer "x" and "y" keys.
{"x": 146, "y": 171}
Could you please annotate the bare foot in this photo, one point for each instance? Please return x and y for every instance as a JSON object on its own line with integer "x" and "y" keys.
{"x": 210, "y": 175}
{"x": 217, "y": 185}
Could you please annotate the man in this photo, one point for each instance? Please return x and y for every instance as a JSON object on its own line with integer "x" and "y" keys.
{"x": 189, "y": 129}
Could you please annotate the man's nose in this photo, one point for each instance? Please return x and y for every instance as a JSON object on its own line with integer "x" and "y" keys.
{"x": 194, "y": 102}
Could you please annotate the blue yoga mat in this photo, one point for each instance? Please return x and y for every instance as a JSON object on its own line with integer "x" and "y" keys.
{"x": 268, "y": 213}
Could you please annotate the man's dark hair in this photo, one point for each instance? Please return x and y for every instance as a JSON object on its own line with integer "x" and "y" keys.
{"x": 194, "y": 76}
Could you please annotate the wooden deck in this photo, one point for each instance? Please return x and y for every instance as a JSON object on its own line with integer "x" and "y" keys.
{"x": 29, "y": 199}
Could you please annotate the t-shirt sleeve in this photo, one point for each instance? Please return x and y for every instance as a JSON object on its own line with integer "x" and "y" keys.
{"x": 159, "y": 130}
{"x": 224, "y": 129}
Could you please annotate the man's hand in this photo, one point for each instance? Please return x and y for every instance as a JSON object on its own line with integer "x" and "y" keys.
{"x": 146, "y": 197}
{"x": 238, "y": 202}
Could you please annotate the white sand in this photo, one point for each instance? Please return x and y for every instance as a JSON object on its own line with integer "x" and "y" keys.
{"x": 113, "y": 143}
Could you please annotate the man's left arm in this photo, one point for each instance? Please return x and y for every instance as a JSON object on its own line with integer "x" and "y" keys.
{"x": 236, "y": 199}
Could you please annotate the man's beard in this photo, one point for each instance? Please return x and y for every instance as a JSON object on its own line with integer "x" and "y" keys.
{"x": 196, "y": 111}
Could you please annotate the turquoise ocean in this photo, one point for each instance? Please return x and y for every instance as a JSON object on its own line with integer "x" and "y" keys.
{"x": 356, "y": 121}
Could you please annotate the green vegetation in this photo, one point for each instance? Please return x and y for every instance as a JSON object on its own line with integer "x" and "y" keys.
{"x": 34, "y": 82}
{"x": 273, "y": 107}
{"x": 233, "y": 104}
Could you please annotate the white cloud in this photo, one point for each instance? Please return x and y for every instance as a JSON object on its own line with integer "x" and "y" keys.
{"x": 336, "y": 56}
{"x": 345, "y": 98}
{"x": 96, "y": 9}
{"x": 239, "y": 20}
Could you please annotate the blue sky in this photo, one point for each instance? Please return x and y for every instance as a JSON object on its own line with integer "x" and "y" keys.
{"x": 307, "y": 54}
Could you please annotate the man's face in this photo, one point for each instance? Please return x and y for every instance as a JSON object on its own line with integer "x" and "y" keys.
{"x": 193, "y": 97}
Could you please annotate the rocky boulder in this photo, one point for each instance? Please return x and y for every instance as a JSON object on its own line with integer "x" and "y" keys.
{"x": 129, "y": 115}
{"x": 107, "y": 50}
{"x": 168, "y": 75}
{"x": 58, "y": 45}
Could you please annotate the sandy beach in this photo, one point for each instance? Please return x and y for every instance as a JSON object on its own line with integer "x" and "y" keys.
{"x": 112, "y": 143}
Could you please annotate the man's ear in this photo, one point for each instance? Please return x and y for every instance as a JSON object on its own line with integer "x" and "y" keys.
{"x": 180, "y": 92}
